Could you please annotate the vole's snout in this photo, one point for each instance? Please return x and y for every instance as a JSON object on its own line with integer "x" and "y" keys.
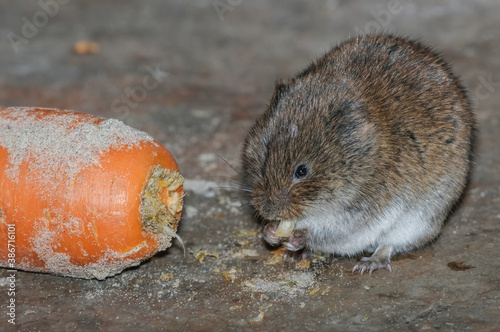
{"x": 273, "y": 206}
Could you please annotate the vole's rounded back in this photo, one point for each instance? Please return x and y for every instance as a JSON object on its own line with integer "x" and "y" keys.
{"x": 368, "y": 148}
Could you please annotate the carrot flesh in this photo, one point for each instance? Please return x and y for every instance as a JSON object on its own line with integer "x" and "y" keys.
{"x": 89, "y": 213}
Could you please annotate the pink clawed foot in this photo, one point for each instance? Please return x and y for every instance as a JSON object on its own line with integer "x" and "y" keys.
{"x": 379, "y": 260}
{"x": 366, "y": 265}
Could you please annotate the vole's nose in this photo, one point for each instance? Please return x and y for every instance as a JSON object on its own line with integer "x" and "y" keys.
{"x": 275, "y": 206}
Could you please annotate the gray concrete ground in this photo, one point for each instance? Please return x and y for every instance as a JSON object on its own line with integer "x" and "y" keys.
{"x": 215, "y": 62}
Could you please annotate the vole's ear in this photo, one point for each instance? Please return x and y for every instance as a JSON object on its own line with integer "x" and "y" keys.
{"x": 351, "y": 120}
{"x": 280, "y": 89}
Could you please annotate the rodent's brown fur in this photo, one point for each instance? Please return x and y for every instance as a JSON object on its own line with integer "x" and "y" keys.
{"x": 383, "y": 124}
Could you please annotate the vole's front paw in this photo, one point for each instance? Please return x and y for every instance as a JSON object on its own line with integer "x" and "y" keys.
{"x": 371, "y": 264}
{"x": 269, "y": 233}
{"x": 298, "y": 255}
{"x": 297, "y": 240}
{"x": 295, "y": 245}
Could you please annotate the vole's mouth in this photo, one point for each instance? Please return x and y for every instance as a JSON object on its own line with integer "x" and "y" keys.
{"x": 285, "y": 228}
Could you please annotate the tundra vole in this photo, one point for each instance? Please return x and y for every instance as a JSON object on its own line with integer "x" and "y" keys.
{"x": 366, "y": 150}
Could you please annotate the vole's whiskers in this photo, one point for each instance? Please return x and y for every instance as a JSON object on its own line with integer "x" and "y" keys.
{"x": 227, "y": 162}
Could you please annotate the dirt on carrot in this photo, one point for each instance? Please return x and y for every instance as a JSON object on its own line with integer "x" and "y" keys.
{"x": 55, "y": 147}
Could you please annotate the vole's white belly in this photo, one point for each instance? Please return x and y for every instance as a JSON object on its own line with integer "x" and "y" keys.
{"x": 349, "y": 234}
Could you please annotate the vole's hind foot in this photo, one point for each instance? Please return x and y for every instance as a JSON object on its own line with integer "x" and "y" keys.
{"x": 367, "y": 264}
{"x": 381, "y": 259}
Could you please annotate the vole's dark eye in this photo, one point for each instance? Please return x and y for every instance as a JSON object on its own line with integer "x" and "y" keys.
{"x": 301, "y": 171}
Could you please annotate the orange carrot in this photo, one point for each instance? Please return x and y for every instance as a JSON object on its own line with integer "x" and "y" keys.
{"x": 82, "y": 196}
